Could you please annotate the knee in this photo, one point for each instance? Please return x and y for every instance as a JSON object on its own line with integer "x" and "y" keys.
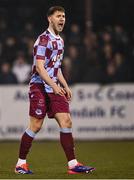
{"x": 36, "y": 128}
{"x": 66, "y": 123}
{"x": 35, "y": 125}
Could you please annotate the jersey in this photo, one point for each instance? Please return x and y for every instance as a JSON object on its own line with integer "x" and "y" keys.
{"x": 50, "y": 48}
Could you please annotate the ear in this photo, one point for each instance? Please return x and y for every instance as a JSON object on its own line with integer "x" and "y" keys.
{"x": 49, "y": 19}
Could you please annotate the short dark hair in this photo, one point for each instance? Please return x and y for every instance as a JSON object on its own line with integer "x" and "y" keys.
{"x": 53, "y": 9}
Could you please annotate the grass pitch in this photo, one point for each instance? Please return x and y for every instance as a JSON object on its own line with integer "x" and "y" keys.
{"x": 113, "y": 160}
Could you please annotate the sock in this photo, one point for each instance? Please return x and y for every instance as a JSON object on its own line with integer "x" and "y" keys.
{"x": 72, "y": 163}
{"x": 67, "y": 143}
{"x": 26, "y": 143}
{"x": 20, "y": 162}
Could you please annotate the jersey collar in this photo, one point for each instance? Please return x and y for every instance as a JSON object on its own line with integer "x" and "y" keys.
{"x": 57, "y": 37}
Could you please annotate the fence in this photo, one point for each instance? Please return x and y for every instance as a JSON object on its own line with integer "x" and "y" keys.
{"x": 98, "y": 112}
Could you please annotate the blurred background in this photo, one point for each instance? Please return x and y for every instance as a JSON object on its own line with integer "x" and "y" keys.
{"x": 99, "y": 39}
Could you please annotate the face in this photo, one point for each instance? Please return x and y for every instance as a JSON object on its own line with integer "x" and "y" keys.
{"x": 57, "y": 21}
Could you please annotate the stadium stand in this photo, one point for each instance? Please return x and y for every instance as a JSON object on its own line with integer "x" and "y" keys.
{"x": 98, "y": 56}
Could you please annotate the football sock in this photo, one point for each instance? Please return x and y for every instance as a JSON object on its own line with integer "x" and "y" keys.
{"x": 72, "y": 163}
{"x": 20, "y": 162}
{"x": 67, "y": 143}
{"x": 26, "y": 143}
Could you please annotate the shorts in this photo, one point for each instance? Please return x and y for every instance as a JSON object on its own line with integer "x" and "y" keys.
{"x": 42, "y": 103}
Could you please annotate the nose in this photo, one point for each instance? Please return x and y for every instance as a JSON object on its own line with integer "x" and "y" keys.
{"x": 63, "y": 18}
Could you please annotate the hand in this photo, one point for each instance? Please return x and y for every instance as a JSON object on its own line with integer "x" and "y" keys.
{"x": 58, "y": 90}
{"x": 68, "y": 93}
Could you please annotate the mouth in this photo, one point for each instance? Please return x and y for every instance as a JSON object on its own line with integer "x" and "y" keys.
{"x": 61, "y": 25}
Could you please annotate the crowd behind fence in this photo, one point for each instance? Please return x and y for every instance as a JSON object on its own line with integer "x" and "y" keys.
{"x": 101, "y": 56}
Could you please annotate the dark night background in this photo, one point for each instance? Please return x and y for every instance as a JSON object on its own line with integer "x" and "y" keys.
{"x": 104, "y": 50}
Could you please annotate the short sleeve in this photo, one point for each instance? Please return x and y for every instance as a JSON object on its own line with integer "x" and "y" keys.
{"x": 43, "y": 47}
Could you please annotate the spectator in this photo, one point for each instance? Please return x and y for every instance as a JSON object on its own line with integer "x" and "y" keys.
{"x": 6, "y": 76}
{"x": 71, "y": 65}
{"x": 121, "y": 68}
{"x": 21, "y": 69}
{"x": 121, "y": 41}
{"x": 75, "y": 34}
{"x": 9, "y": 48}
{"x": 90, "y": 67}
{"x": 67, "y": 68}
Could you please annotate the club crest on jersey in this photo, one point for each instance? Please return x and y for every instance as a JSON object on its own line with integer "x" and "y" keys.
{"x": 38, "y": 111}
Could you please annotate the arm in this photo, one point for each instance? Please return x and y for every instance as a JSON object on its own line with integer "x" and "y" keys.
{"x": 44, "y": 75}
{"x": 64, "y": 83}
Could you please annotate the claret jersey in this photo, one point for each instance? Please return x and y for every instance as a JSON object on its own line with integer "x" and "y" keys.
{"x": 50, "y": 48}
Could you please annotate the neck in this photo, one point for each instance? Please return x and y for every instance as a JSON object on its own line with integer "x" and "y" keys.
{"x": 53, "y": 31}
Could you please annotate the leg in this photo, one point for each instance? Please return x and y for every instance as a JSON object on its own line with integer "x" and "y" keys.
{"x": 59, "y": 109}
{"x": 26, "y": 143}
{"x": 66, "y": 139}
{"x": 28, "y": 136}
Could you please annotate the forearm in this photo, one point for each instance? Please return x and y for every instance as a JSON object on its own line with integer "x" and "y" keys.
{"x": 62, "y": 79}
{"x": 65, "y": 85}
{"x": 44, "y": 75}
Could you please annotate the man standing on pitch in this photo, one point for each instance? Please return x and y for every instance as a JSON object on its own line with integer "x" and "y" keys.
{"x": 49, "y": 94}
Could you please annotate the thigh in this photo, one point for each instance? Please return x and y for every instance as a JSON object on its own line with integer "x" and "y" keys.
{"x": 37, "y": 101}
{"x": 57, "y": 104}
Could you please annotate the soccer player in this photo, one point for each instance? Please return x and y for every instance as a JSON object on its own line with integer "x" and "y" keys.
{"x": 49, "y": 93}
